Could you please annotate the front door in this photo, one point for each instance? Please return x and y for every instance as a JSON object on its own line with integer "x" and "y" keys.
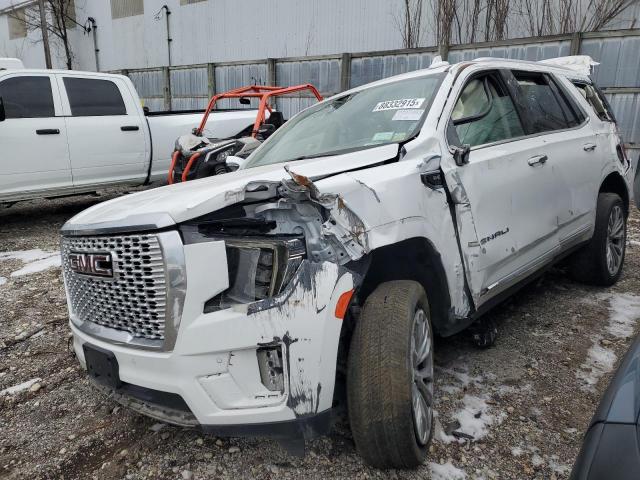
{"x": 35, "y": 156}
{"x": 504, "y": 197}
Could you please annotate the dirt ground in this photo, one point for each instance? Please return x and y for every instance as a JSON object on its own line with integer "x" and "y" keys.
{"x": 515, "y": 411}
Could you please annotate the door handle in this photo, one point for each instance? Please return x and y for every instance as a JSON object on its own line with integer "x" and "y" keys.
{"x": 537, "y": 160}
{"x": 130, "y": 128}
{"x": 589, "y": 147}
{"x": 48, "y": 131}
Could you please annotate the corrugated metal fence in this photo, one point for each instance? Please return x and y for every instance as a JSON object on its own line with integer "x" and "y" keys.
{"x": 190, "y": 86}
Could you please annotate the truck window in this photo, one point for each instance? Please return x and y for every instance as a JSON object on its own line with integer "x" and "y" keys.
{"x": 90, "y": 97}
{"x": 27, "y": 97}
{"x": 597, "y": 100}
{"x": 484, "y": 113}
{"x": 547, "y": 105}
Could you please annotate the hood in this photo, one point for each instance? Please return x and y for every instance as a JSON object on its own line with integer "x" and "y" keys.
{"x": 165, "y": 206}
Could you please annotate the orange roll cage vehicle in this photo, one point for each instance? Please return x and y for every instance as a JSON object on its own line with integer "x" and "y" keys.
{"x": 197, "y": 156}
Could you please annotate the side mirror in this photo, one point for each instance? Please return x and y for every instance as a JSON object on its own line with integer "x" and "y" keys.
{"x": 461, "y": 154}
{"x": 235, "y": 163}
{"x": 146, "y": 111}
{"x": 244, "y": 101}
{"x": 265, "y": 131}
{"x": 3, "y": 113}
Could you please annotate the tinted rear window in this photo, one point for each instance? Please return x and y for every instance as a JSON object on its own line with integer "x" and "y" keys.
{"x": 548, "y": 106}
{"x": 27, "y": 97}
{"x": 91, "y": 97}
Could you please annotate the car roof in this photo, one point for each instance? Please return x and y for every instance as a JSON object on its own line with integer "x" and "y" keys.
{"x": 40, "y": 71}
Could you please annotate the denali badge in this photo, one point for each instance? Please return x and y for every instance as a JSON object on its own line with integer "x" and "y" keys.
{"x": 95, "y": 264}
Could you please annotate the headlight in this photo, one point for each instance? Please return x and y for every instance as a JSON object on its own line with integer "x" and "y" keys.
{"x": 258, "y": 269}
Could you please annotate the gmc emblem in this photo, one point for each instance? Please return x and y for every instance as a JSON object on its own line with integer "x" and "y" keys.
{"x": 94, "y": 264}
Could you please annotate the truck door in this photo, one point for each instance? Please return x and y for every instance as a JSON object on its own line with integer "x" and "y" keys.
{"x": 106, "y": 131}
{"x": 33, "y": 137}
{"x": 505, "y": 196}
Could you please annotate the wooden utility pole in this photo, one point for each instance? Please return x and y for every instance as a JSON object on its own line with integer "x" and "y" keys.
{"x": 45, "y": 34}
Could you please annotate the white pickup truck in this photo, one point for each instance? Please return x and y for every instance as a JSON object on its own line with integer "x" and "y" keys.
{"x": 67, "y": 132}
{"x": 361, "y": 228}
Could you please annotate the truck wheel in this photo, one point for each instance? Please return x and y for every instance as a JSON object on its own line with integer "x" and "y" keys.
{"x": 600, "y": 262}
{"x": 390, "y": 377}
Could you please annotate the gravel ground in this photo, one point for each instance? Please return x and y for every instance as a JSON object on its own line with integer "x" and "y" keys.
{"x": 517, "y": 410}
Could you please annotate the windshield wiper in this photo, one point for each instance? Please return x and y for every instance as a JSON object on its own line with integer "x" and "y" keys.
{"x": 328, "y": 154}
{"x": 307, "y": 157}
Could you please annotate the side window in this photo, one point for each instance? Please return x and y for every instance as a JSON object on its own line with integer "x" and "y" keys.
{"x": 27, "y": 97}
{"x": 91, "y": 97}
{"x": 597, "y": 101}
{"x": 547, "y": 105}
{"x": 484, "y": 113}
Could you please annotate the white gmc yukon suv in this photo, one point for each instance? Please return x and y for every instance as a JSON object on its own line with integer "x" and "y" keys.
{"x": 366, "y": 225}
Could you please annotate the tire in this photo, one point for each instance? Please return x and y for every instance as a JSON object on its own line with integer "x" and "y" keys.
{"x": 380, "y": 377}
{"x": 592, "y": 263}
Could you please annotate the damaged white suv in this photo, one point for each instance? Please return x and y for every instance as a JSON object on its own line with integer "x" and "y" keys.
{"x": 365, "y": 225}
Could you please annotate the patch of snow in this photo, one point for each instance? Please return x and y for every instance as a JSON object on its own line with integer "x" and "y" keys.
{"x": 556, "y": 466}
{"x": 3, "y": 280}
{"x": 516, "y": 451}
{"x": 625, "y": 312}
{"x": 635, "y": 243}
{"x": 25, "y": 256}
{"x": 600, "y": 360}
{"x": 475, "y": 418}
{"x": 446, "y": 471}
{"x": 20, "y": 388}
{"x": 38, "y": 265}
{"x": 537, "y": 460}
{"x": 35, "y": 260}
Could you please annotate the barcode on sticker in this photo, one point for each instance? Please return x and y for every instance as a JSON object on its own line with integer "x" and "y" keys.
{"x": 398, "y": 104}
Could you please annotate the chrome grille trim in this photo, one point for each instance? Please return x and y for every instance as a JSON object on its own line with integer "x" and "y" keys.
{"x": 142, "y": 304}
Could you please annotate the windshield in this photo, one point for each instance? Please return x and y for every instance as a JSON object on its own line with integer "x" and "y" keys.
{"x": 388, "y": 113}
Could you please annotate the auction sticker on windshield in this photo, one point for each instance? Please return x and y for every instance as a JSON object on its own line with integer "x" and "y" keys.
{"x": 398, "y": 104}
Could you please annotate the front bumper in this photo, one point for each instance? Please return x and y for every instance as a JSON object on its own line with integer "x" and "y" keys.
{"x": 213, "y": 366}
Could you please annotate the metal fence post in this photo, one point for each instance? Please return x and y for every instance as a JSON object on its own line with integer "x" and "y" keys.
{"x": 211, "y": 79}
{"x": 166, "y": 75}
{"x": 345, "y": 72}
{"x": 271, "y": 72}
{"x": 576, "y": 43}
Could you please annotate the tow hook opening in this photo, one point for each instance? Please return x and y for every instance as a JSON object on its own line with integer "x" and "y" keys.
{"x": 271, "y": 371}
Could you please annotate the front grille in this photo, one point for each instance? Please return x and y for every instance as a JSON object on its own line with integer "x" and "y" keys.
{"x": 134, "y": 300}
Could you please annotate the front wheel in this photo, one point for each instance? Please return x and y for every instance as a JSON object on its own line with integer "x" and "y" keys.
{"x": 600, "y": 261}
{"x": 390, "y": 377}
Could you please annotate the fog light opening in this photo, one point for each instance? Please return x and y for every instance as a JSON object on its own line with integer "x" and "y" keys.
{"x": 271, "y": 371}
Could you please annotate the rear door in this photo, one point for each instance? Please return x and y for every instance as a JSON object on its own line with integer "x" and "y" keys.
{"x": 564, "y": 133}
{"x": 505, "y": 196}
{"x": 106, "y": 132}
{"x": 33, "y": 137}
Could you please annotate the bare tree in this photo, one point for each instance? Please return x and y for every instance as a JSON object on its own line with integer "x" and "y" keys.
{"x": 601, "y": 12}
{"x": 61, "y": 17}
{"x": 550, "y": 17}
{"x": 409, "y": 22}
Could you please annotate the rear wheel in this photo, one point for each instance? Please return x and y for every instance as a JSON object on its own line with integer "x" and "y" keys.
{"x": 390, "y": 377}
{"x": 601, "y": 261}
